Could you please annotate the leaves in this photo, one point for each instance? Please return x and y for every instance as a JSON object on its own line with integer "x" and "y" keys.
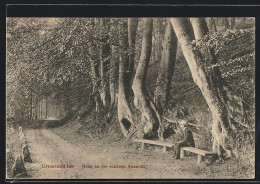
{"x": 45, "y": 54}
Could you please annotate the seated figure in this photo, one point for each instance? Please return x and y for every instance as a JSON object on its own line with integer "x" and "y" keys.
{"x": 187, "y": 140}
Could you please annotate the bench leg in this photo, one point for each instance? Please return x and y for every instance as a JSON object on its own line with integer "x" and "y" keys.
{"x": 200, "y": 159}
{"x": 183, "y": 153}
{"x": 164, "y": 149}
{"x": 143, "y": 146}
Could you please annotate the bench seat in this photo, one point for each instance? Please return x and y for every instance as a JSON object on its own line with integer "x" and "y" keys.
{"x": 160, "y": 143}
{"x": 201, "y": 153}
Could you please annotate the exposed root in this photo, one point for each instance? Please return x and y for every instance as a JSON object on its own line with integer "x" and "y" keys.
{"x": 125, "y": 116}
{"x": 150, "y": 118}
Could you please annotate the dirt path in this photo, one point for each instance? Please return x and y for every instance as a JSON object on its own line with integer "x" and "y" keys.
{"x": 48, "y": 149}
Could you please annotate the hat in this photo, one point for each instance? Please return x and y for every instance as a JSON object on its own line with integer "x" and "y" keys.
{"x": 183, "y": 122}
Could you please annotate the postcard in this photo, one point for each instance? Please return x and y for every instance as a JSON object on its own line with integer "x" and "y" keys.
{"x": 130, "y": 98}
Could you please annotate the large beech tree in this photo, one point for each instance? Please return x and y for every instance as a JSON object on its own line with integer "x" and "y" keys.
{"x": 222, "y": 102}
{"x": 212, "y": 25}
{"x": 132, "y": 28}
{"x": 103, "y": 60}
{"x": 95, "y": 76}
{"x": 150, "y": 118}
{"x": 163, "y": 83}
{"x": 125, "y": 114}
{"x": 113, "y": 74}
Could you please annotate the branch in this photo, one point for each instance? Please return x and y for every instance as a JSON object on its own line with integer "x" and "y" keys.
{"x": 186, "y": 91}
{"x": 177, "y": 120}
{"x": 244, "y": 125}
{"x": 171, "y": 120}
{"x": 43, "y": 44}
{"x": 106, "y": 59}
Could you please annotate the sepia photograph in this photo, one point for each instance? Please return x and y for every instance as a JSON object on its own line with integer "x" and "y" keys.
{"x": 130, "y": 98}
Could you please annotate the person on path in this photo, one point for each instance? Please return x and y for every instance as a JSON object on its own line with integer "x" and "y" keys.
{"x": 187, "y": 139}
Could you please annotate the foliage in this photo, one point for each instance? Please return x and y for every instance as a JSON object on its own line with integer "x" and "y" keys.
{"x": 43, "y": 56}
{"x": 54, "y": 55}
{"x": 235, "y": 53}
{"x": 234, "y": 50}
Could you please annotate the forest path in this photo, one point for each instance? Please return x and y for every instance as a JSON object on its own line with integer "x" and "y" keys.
{"x": 47, "y": 148}
{"x": 57, "y": 146}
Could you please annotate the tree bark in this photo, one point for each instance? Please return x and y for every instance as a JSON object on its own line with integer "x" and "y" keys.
{"x": 160, "y": 39}
{"x": 163, "y": 83}
{"x": 103, "y": 65}
{"x": 225, "y": 22}
{"x": 212, "y": 25}
{"x": 36, "y": 108}
{"x": 46, "y": 107}
{"x": 40, "y": 109}
{"x": 200, "y": 28}
{"x": 66, "y": 92}
{"x": 132, "y": 28}
{"x": 125, "y": 114}
{"x": 113, "y": 74}
{"x": 94, "y": 72}
{"x": 149, "y": 119}
{"x": 95, "y": 84}
{"x": 232, "y": 22}
{"x": 31, "y": 105}
{"x": 207, "y": 79}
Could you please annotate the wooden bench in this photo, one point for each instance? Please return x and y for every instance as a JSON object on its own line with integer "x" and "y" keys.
{"x": 146, "y": 141}
{"x": 201, "y": 153}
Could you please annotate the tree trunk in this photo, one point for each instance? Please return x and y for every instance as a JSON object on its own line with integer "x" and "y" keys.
{"x": 132, "y": 28}
{"x": 163, "y": 83}
{"x": 125, "y": 115}
{"x": 31, "y": 105}
{"x": 103, "y": 70}
{"x": 208, "y": 79}
{"x": 160, "y": 39}
{"x": 149, "y": 120}
{"x": 94, "y": 71}
{"x": 46, "y": 107}
{"x": 212, "y": 25}
{"x": 95, "y": 84}
{"x": 225, "y": 22}
{"x": 113, "y": 75}
{"x": 232, "y": 22}
{"x": 40, "y": 109}
{"x": 66, "y": 91}
{"x": 200, "y": 28}
{"x": 36, "y": 108}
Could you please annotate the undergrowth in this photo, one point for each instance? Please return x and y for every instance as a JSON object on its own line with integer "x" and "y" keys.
{"x": 12, "y": 147}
